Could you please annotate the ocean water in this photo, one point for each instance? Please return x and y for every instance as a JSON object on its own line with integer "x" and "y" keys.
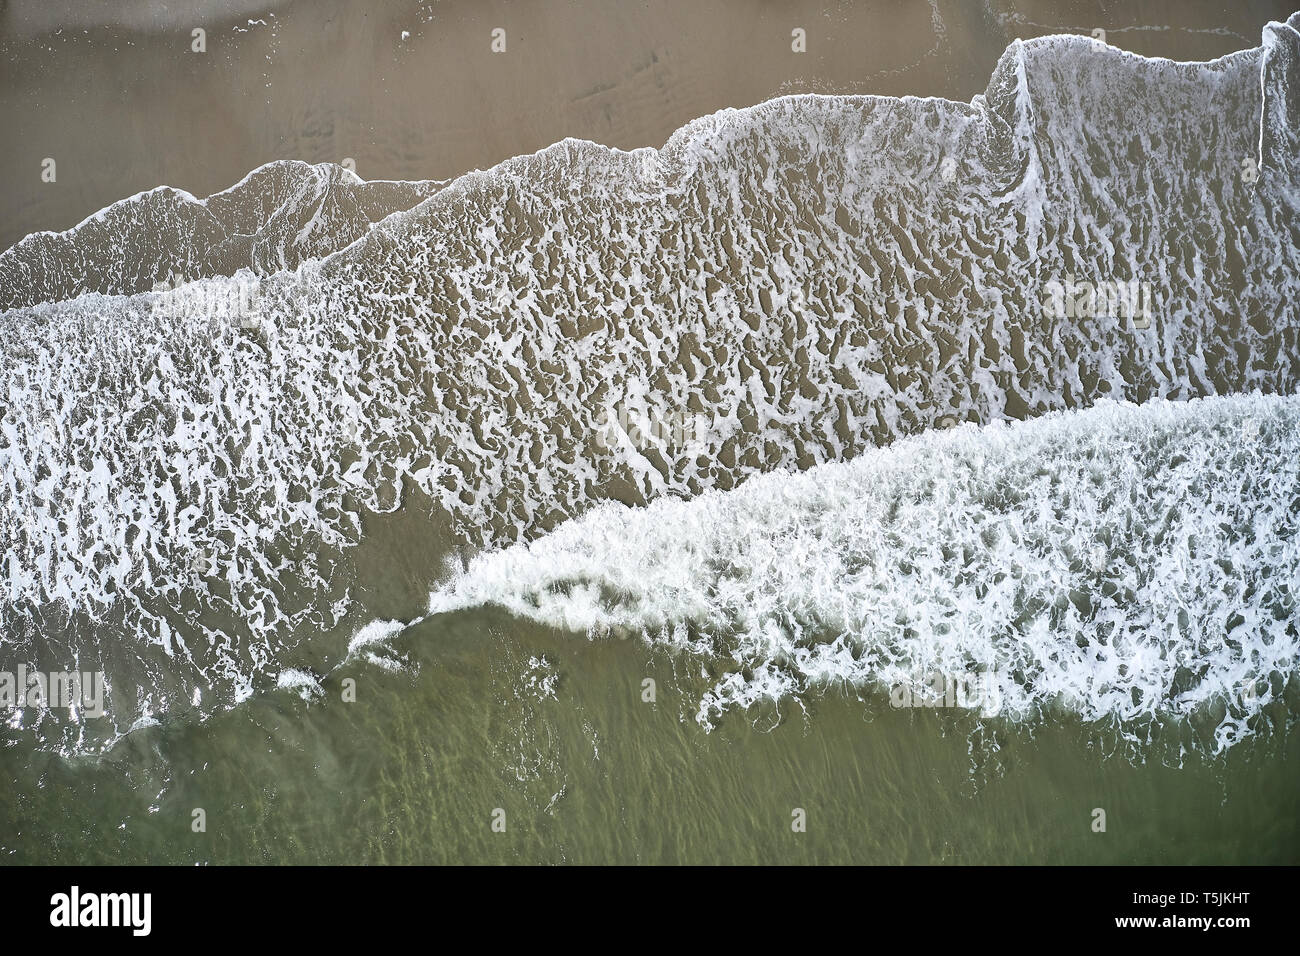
{"x": 926, "y": 468}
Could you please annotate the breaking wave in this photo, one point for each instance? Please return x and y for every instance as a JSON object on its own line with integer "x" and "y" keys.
{"x": 1134, "y": 565}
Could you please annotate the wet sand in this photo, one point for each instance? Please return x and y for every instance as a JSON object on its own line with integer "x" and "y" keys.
{"x": 121, "y": 103}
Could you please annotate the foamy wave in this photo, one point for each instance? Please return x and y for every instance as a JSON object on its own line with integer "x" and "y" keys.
{"x": 303, "y": 684}
{"x": 1125, "y": 563}
{"x": 275, "y": 218}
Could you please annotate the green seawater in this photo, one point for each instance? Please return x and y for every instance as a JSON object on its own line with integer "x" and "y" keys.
{"x": 466, "y": 733}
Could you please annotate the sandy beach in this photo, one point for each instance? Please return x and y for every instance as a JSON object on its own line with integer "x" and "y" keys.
{"x": 413, "y": 90}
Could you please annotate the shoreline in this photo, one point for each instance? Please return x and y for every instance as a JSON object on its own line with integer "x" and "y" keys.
{"x": 337, "y": 83}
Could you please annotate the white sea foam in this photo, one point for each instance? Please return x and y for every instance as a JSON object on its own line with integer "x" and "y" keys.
{"x": 302, "y": 683}
{"x": 278, "y": 216}
{"x": 1124, "y": 563}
